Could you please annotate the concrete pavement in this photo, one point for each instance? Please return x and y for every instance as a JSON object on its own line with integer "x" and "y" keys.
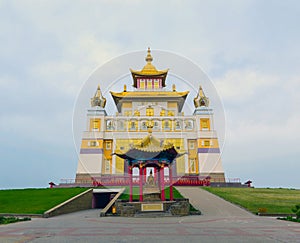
{"x": 212, "y": 205}
{"x": 87, "y": 226}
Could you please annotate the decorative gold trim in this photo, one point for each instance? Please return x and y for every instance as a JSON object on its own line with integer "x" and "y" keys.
{"x": 130, "y": 94}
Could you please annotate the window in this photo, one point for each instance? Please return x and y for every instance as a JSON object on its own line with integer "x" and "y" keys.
{"x": 191, "y": 145}
{"x": 144, "y": 125}
{"x": 189, "y": 125}
{"x": 206, "y": 143}
{"x": 177, "y": 125}
{"x": 133, "y": 125}
{"x": 142, "y": 83}
{"x": 149, "y": 84}
{"x": 121, "y": 126}
{"x": 149, "y": 111}
{"x": 170, "y": 113}
{"x": 93, "y": 143}
{"x": 108, "y": 146}
{"x": 136, "y": 113}
{"x": 156, "y": 83}
{"x": 204, "y": 124}
{"x": 167, "y": 125}
{"x": 163, "y": 112}
{"x": 95, "y": 124}
{"x": 109, "y": 125}
{"x": 155, "y": 125}
{"x": 128, "y": 113}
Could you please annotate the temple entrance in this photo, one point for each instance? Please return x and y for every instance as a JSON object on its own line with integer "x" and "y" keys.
{"x": 151, "y": 189}
{"x": 153, "y": 159}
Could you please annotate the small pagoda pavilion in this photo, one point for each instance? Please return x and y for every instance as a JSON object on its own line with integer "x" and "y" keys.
{"x": 150, "y": 152}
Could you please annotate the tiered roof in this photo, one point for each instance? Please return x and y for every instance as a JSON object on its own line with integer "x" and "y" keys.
{"x": 149, "y": 71}
{"x": 151, "y": 148}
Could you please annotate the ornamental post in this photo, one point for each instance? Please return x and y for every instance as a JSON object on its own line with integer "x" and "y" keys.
{"x": 171, "y": 182}
{"x": 130, "y": 182}
{"x": 162, "y": 182}
{"x": 141, "y": 182}
{"x": 144, "y": 174}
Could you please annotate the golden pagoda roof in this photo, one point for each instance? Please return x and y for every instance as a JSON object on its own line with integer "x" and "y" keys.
{"x": 151, "y": 148}
{"x": 125, "y": 95}
{"x": 152, "y": 144}
{"x": 149, "y": 70}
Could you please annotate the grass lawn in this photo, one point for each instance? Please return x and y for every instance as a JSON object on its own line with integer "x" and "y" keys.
{"x": 34, "y": 201}
{"x": 272, "y": 199}
{"x": 125, "y": 195}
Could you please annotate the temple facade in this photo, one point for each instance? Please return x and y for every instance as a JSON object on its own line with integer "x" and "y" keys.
{"x": 149, "y": 105}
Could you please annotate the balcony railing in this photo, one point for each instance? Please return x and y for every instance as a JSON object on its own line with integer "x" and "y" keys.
{"x": 124, "y": 181}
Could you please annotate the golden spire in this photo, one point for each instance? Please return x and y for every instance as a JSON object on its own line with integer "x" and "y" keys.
{"x": 149, "y": 58}
{"x": 98, "y": 99}
{"x": 201, "y": 99}
{"x": 149, "y": 66}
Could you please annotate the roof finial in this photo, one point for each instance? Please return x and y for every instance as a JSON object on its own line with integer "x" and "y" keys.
{"x": 149, "y": 58}
{"x": 174, "y": 87}
{"x": 98, "y": 99}
{"x": 201, "y": 99}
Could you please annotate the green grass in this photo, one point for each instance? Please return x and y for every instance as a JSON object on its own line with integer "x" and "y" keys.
{"x": 34, "y": 201}
{"x": 255, "y": 199}
{"x": 125, "y": 195}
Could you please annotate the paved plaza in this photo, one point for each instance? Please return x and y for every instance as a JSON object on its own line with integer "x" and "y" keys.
{"x": 220, "y": 222}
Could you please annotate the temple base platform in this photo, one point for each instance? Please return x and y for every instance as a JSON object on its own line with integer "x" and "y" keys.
{"x": 178, "y": 207}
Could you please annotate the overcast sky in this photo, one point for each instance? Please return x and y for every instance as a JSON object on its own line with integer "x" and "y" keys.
{"x": 249, "y": 49}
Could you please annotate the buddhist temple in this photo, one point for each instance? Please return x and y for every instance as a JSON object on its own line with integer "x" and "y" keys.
{"x": 149, "y": 130}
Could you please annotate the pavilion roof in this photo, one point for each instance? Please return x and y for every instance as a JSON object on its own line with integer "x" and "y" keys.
{"x": 151, "y": 148}
{"x": 149, "y": 70}
{"x": 124, "y": 96}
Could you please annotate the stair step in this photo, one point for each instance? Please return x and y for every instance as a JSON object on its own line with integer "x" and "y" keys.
{"x": 153, "y": 214}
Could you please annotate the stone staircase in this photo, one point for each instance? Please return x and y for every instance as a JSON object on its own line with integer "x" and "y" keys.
{"x": 153, "y": 214}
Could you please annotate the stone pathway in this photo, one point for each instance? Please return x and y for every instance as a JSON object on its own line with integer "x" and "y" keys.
{"x": 211, "y": 205}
